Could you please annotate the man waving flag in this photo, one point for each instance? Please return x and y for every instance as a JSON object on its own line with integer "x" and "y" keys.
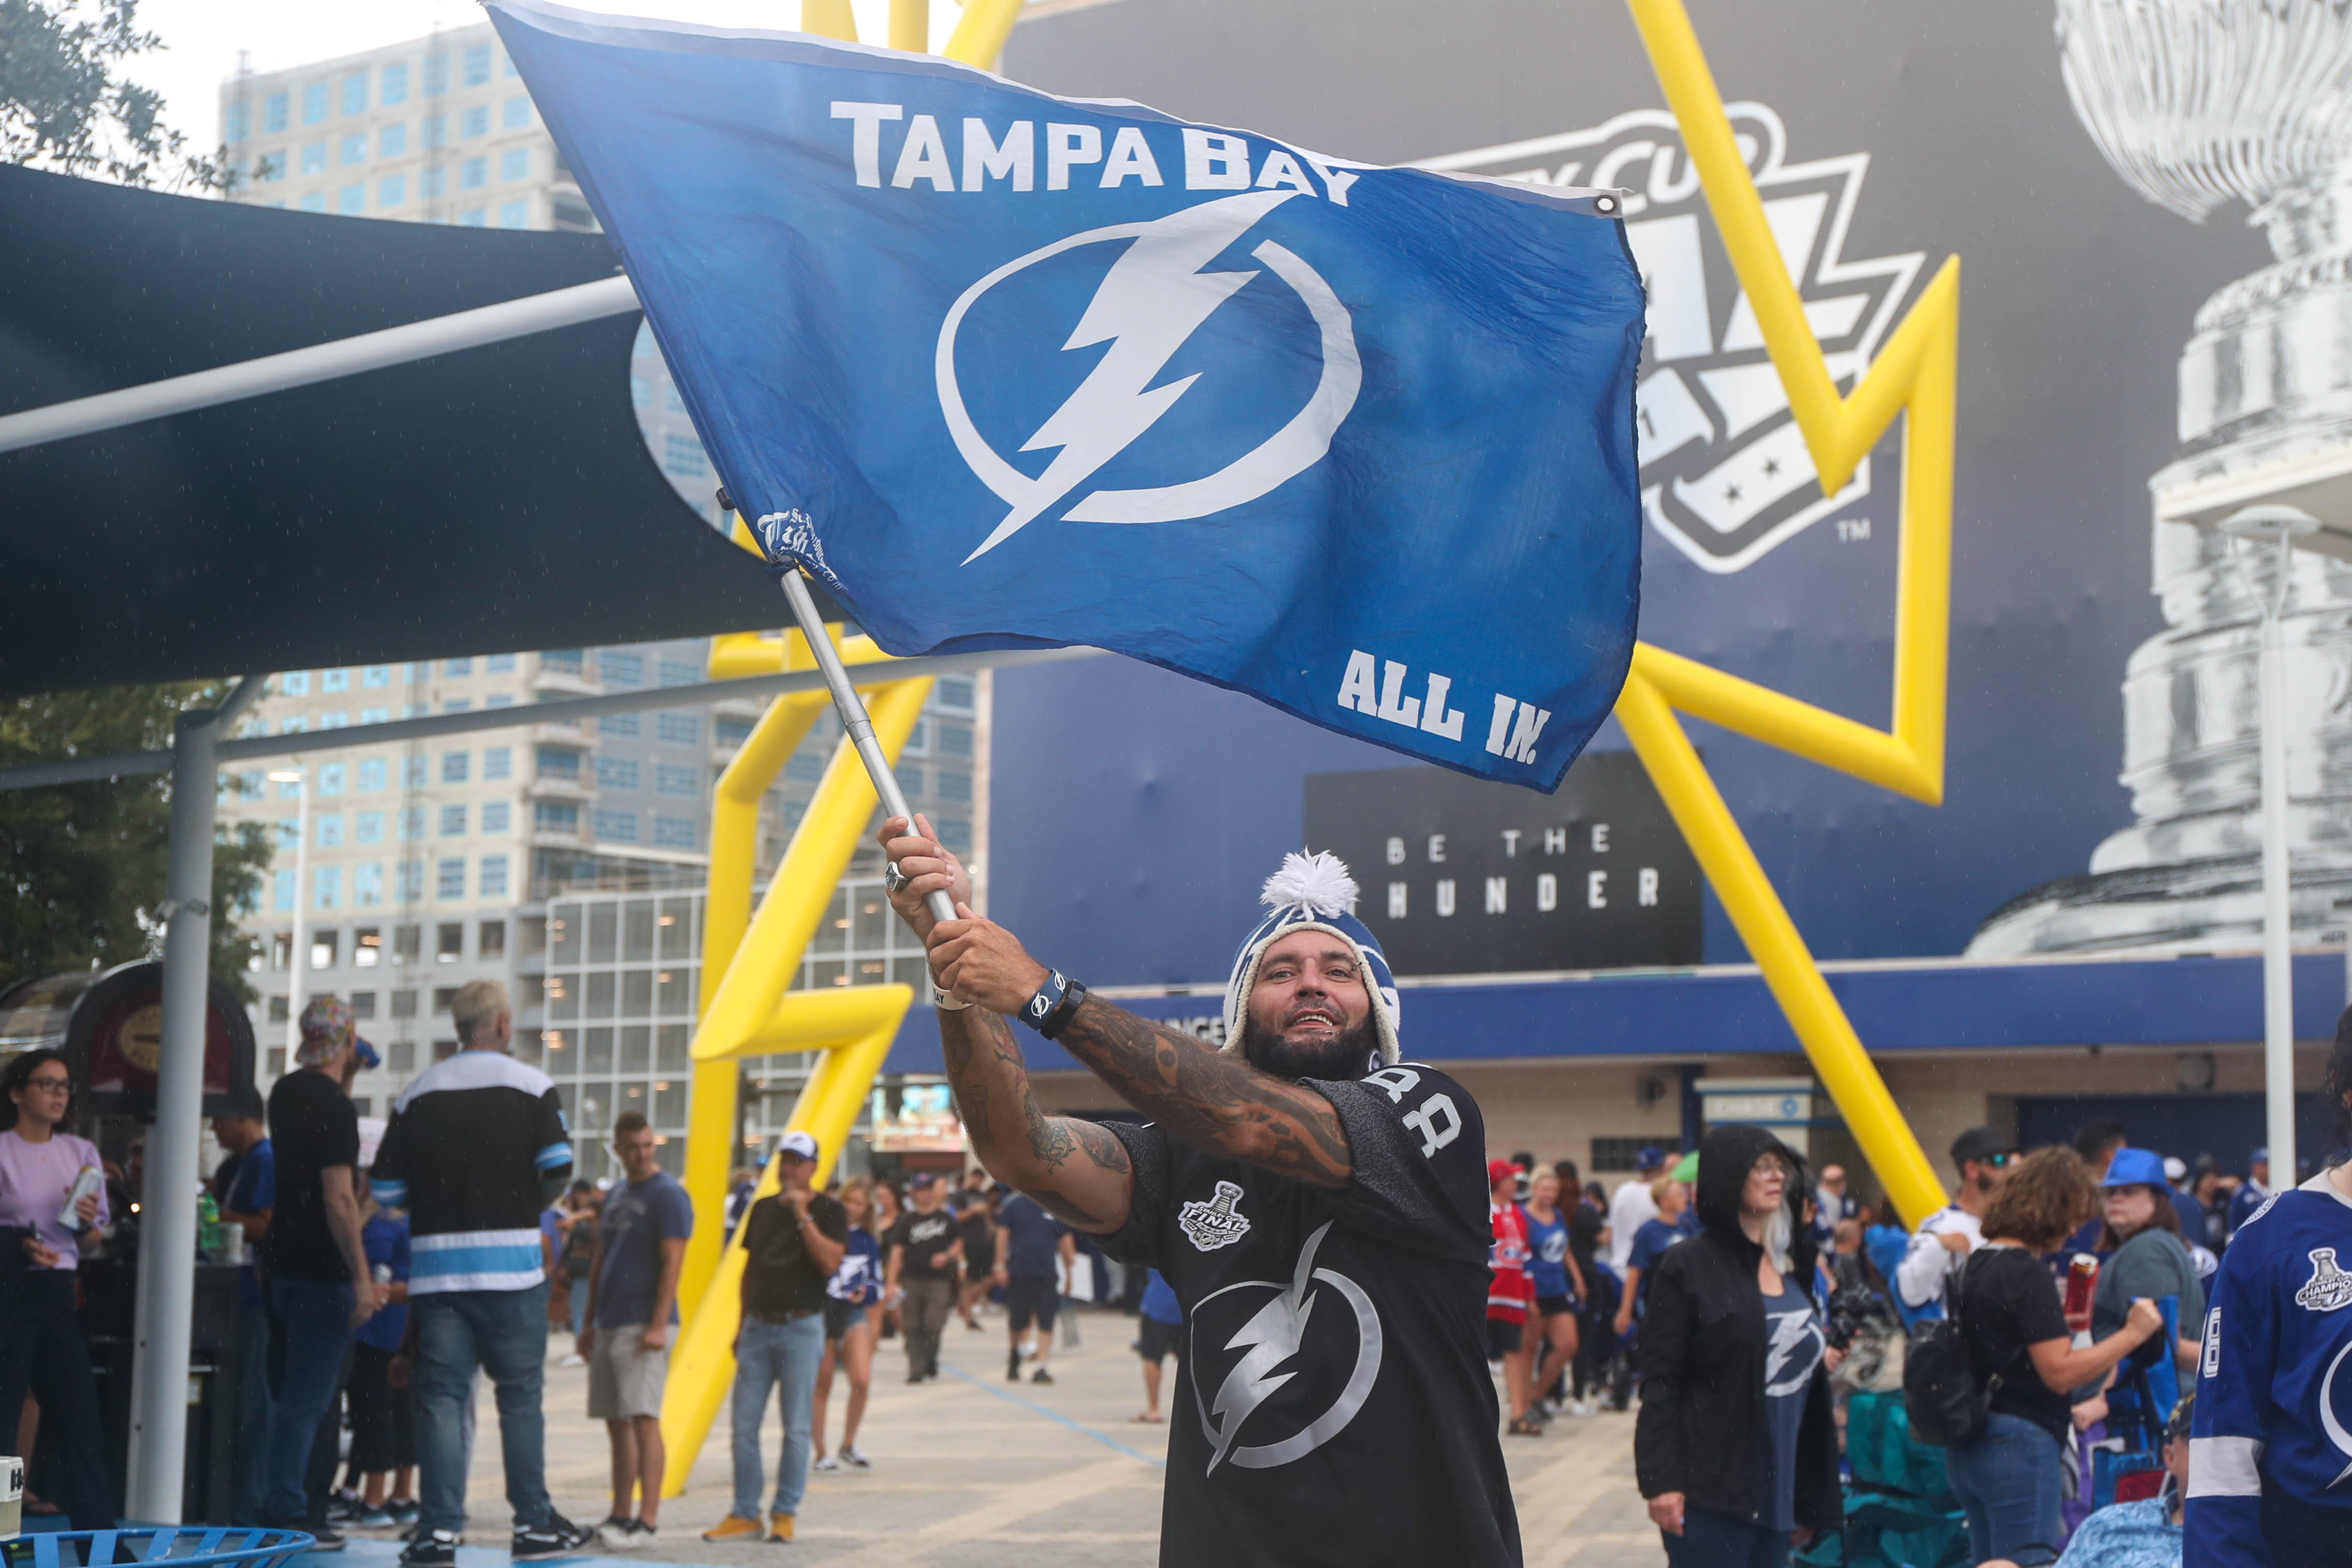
{"x": 1002, "y": 368}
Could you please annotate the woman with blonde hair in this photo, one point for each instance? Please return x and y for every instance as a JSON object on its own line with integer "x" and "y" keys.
{"x": 853, "y": 1314}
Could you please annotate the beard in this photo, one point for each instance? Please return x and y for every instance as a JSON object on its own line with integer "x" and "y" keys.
{"x": 1343, "y": 1058}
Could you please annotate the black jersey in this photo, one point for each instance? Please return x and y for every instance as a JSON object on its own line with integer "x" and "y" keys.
{"x": 1333, "y": 1404}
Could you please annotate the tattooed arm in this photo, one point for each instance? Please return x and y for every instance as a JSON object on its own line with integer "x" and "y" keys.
{"x": 1075, "y": 1170}
{"x": 1213, "y": 1101}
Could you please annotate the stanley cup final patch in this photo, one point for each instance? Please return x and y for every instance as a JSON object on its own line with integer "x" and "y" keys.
{"x": 1216, "y": 1223}
{"x": 2328, "y": 1288}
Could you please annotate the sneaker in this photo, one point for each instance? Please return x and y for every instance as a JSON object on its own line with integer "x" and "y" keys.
{"x": 825, "y": 1462}
{"x": 780, "y": 1527}
{"x": 431, "y": 1549}
{"x": 572, "y": 1358}
{"x": 852, "y": 1454}
{"x": 1013, "y": 1367}
{"x": 342, "y": 1507}
{"x": 402, "y": 1509}
{"x": 734, "y": 1527}
{"x": 640, "y": 1535}
{"x": 374, "y": 1519}
{"x": 559, "y": 1537}
{"x": 1041, "y": 1376}
{"x": 326, "y": 1536}
{"x": 618, "y": 1534}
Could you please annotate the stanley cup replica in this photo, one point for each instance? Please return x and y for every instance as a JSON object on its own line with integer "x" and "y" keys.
{"x": 2199, "y": 103}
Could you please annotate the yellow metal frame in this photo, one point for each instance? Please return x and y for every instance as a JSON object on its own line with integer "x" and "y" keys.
{"x": 1917, "y": 373}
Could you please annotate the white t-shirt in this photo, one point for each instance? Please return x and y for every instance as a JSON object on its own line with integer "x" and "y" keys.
{"x": 1919, "y": 1279}
{"x": 1628, "y": 1211}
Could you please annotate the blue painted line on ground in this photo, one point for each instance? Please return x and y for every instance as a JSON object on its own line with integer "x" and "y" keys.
{"x": 1105, "y": 1439}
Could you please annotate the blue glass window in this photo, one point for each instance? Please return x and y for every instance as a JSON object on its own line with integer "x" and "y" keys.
{"x": 498, "y": 816}
{"x": 451, "y": 880}
{"x": 477, "y": 64}
{"x": 678, "y": 728}
{"x": 617, "y": 723}
{"x": 391, "y": 191}
{"x": 330, "y": 831}
{"x": 316, "y": 202}
{"x": 514, "y": 164}
{"x": 395, "y": 85}
{"x": 515, "y": 113}
{"x": 295, "y": 683}
{"x": 616, "y": 827}
{"x": 273, "y": 118}
{"x": 494, "y": 876}
{"x": 412, "y": 880}
{"x": 355, "y": 93}
{"x": 474, "y": 173}
{"x": 670, "y": 780}
{"x": 555, "y": 817}
{"x": 433, "y": 130}
{"x": 674, "y": 833}
{"x": 314, "y": 157}
{"x": 367, "y": 884}
{"x": 240, "y": 123}
{"x": 475, "y": 121}
{"x": 617, "y": 773}
{"x": 372, "y": 773}
{"x": 454, "y": 766}
{"x": 327, "y": 881}
{"x": 351, "y": 148}
{"x": 334, "y": 680}
{"x": 330, "y": 779}
{"x": 392, "y": 141}
{"x": 514, "y": 214}
{"x": 367, "y": 827}
{"x": 453, "y": 821}
{"x": 350, "y": 200}
{"x": 282, "y": 891}
{"x": 682, "y": 456}
{"x": 499, "y": 663}
{"x": 314, "y": 103}
{"x": 621, "y": 669}
{"x": 436, "y": 75}
{"x": 498, "y": 762}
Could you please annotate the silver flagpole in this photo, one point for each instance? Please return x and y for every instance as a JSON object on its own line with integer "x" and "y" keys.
{"x": 852, "y": 708}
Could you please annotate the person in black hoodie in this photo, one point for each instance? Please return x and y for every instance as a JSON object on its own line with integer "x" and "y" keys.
{"x": 1735, "y": 1448}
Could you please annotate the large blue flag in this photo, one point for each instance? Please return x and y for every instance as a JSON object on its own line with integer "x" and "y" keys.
{"x": 1002, "y": 368}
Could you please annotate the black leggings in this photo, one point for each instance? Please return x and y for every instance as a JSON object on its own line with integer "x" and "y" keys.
{"x": 42, "y": 1352}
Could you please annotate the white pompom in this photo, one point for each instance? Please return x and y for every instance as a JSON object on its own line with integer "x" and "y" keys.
{"x": 1319, "y": 883}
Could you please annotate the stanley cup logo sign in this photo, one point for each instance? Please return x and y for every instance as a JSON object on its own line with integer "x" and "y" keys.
{"x": 2198, "y": 104}
{"x": 1726, "y": 476}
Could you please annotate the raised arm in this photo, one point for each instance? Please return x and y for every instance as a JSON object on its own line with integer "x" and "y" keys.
{"x": 1217, "y": 1102}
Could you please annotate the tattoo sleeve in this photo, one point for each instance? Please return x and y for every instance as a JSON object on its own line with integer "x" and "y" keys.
{"x": 1076, "y": 1171}
{"x": 1217, "y": 1102}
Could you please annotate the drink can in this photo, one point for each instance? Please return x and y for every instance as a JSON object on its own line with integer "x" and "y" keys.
{"x": 2082, "y": 1286}
{"x": 86, "y": 1183}
{"x": 383, "y": 1273}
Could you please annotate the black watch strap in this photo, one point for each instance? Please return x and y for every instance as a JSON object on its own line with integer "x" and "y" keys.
{"x": 1063, "y": 1010}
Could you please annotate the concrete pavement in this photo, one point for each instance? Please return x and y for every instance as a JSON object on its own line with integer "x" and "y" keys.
{"x": 977, "y": 1472}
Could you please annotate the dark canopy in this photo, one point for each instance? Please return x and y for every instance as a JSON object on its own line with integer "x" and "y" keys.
{"x": 493, "y": 499}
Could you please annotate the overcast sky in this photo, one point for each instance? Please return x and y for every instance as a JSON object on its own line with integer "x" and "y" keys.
{"x": 202, "y": 37}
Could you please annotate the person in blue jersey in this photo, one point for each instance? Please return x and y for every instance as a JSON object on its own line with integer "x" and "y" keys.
{"x": 1649, "y": 1244}
{"x": 2252, "y": 1194}
{"x": 1553, "y": 1269}
{"x": 383, "y": 1423}
{"x": 2270, "y": 1458}
{"x": 1159, "y": 1328}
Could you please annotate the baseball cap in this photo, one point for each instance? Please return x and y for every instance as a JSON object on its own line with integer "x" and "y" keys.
{"x": 2261, "y": 1157}
{"x": 1501, "y": 1170}
{"x": 1650, "y": 1158}
{"x": 1981, "y": 1144}
{"x": 2135, "y": 1167}
{"x": 799, "y": 1145}
{"x": 922, "y": 1179}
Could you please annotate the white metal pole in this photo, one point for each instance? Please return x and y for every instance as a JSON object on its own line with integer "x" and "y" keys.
{"x": 296, "y": 960}
{"x": 852, "y": 708}
{"x": 2278, "y": 958}
{"x": 167, "y": 1230}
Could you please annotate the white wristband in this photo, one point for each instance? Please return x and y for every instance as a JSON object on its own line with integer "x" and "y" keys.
{"x": 940, "y": 998}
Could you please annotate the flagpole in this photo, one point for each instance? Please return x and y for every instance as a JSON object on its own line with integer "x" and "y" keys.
{"x": 852, "y": 708}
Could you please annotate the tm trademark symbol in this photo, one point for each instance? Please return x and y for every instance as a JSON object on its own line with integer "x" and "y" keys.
{"x": 1853, "y": 530}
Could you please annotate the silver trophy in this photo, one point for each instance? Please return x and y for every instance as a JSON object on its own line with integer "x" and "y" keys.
{"x": 2198, "y": 104}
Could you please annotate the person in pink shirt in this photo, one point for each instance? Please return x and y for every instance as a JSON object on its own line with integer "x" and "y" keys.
{"x": 46, "y": 1228}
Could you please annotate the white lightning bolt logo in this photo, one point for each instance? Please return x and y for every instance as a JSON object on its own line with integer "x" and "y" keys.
{"x": 1271, "y": 1337}
{"x": 1149, "y": 305}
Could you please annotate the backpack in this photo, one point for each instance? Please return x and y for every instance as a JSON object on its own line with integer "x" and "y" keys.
{"x": 1940, "y": 1393}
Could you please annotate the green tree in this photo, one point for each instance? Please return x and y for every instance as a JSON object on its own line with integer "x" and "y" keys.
{"x": 65, "y": 104}
{"x": 83, "y": 866}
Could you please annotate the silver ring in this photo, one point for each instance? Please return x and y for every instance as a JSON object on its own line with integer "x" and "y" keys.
{"x": 893, "y": 879}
